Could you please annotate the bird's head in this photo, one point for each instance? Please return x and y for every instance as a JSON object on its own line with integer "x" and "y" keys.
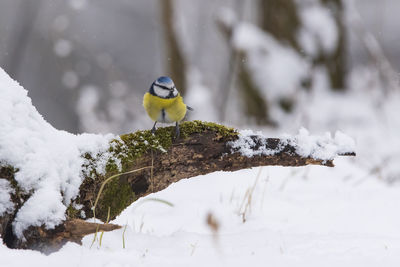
{"x": 164, "y": 87}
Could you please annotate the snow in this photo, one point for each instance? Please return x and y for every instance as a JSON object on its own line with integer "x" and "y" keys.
{"x": 319, "y": 32}
{"x": 364, "y": 112}
{"x": 49, "y": 160}
{"x": 277, "y": 69}
{"x": 199, "y": 96}
{"x": 247, "y": 144}
{"x": 309, "y": 216}
{"x": 227, "y": 17}
{"x": 6, "y": 206}
{"x": 324, "y": 147}
{"x": 118, "y": 108}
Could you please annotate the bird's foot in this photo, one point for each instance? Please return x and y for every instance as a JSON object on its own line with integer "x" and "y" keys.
{"x": 177, "y": 131}
{"x": 153, "y": 130}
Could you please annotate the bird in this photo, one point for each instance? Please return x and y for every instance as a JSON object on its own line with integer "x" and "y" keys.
{"x": 163, "y": 103}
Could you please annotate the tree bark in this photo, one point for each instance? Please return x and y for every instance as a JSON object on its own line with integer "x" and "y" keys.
{"x": 203, "y": 148}
{"x": 175, "y": 62}
{"x": 280, "y": 18}
{"x": 336, "y": 61}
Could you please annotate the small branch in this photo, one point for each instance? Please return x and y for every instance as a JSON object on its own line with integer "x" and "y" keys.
{"x": 48, "y": 241}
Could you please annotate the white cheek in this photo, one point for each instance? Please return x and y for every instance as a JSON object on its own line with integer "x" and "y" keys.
{"x": 175, "y": 92}
{"x": 160, "y": 92}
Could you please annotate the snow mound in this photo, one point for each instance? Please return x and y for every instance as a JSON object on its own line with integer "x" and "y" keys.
{"x": 324, "y": 147}
{"x": 49, "y": 160}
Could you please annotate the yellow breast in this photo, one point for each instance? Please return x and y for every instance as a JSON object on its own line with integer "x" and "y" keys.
{"x": 164, "y": 110}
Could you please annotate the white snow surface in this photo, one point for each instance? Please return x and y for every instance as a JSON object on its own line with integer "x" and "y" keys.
{"x": 309, "y": 216}
{"x": 49, "y": 160}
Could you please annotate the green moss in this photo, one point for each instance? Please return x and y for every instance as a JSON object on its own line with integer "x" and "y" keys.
{"x": 117, "y": 195}
{"x": 133, "y": 145}
{"x": 72, "y": 213}
{"x": 8, "y": 172}
{"x": 190, "y": 127}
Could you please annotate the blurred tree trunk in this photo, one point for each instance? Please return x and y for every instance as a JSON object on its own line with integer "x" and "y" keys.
{"x": 336, "y": 61}
{"x": 25, "y": 20}
{"x": 175, "y": 63}
{"x": 255, "y": 106}
{"x": 281, "y": 19}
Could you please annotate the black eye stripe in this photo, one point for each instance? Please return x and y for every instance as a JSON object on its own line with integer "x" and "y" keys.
{"x": 164, "y": 87}
{"x": 172, "y": 91}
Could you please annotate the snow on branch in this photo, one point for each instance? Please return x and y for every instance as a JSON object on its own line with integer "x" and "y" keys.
{"x": 305, "y": 145}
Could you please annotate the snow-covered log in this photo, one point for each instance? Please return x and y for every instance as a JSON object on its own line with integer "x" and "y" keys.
{"x": 51, "y": 180}
{"x": 155, "y": 162}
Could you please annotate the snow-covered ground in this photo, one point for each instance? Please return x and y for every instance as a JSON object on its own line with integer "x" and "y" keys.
{"x": 308, "y": 216}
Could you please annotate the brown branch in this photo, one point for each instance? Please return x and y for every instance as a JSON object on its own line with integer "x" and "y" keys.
{"x": 48, "y": 241}
{"x": 203, "y": 148}
{"x": 200, "y": 152}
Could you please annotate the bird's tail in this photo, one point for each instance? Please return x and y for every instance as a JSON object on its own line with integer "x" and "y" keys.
{"x": 189, "y": 108}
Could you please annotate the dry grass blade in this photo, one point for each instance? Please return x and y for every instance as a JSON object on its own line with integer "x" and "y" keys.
{"x": 247, "y": 200}
{"x": 97, "y": 229}
{"x": 102, "y": 232}
{"x": 112, "y": 177}
{"x": 159, "y": 200}
{"x": 123, "y": 236}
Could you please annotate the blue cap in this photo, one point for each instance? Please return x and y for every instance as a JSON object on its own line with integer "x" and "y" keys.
{"x": 164, "y": 80}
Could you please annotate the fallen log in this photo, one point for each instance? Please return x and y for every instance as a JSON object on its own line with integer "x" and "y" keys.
{"x": 149, "y": 163}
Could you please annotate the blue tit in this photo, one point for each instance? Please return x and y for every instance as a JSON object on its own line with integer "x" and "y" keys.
{"x": 163, "y": 103}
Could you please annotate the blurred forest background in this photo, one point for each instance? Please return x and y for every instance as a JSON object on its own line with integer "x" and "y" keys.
{"x": 88, "y": 63}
